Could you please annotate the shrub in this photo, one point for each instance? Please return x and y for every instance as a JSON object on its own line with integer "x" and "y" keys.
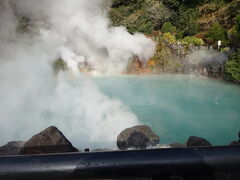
{"x": 179, "y": 34}
{"x": 59, "y": 65}
{"x": 168, "y": 27}
{"x": 169, "y": 38}
{"x": 186, "y": 21}
{"x": 192, "y": 40}
{"x": 216, "y": 32}
{"x": 232, "y": 67}
{"x": 192, "y": 27}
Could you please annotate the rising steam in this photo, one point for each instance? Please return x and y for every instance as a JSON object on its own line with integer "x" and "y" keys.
{"x": 33, "y": 97}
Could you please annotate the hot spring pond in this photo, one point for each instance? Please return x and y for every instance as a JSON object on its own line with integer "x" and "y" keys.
{"x": 177, "y": 107}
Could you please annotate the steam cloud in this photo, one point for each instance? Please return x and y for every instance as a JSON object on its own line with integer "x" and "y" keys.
{"x": 206, "y": 56}
{"x": 33, "y": 97}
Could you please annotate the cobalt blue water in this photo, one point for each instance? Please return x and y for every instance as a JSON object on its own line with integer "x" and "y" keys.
{"x": 177, "y": 107}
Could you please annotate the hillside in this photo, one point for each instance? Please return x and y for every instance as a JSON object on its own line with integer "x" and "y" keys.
{"x": 207, "y": 19}
{"x": 181, "y": 27}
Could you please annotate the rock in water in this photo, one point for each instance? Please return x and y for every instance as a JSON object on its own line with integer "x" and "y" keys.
{"x": 138, "y": 137}
{"x": 11, "y": 148}
{"x": 51, "y": 140}
{"x": 197, "y": 141}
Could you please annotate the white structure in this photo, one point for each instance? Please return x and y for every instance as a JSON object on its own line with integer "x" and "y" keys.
{"x": 219, "y": 44}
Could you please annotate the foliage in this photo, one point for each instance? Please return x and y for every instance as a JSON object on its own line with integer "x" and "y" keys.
{"x": 144, "y": 16}
{"x": 192, "y": 40}
{"x": 24, "y": 25}
{"x": 59, "y": 65}
{"x": 117, "y": 3}
{"x": 172, "y": 4}
{"x": 179, "y": 17}
{"x": 168, "y": 27}
{"x": 179, "y": 34}
{"x": 156, "y": 12}
{"x": 237, "y": 25}
{"x": 189, "y": 3}
{"x": 233, "y": 9}
{"x": 232, "y": 67}
{"x": 232, "y": 36}
{"x": 169, "y": 38}
{"x": 217, "y": 32}
{"x": 138, "y": 22}
{"x": 186, "y": 21}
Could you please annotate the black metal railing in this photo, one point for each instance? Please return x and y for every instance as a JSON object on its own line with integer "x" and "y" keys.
{"x": 119, "y": 164}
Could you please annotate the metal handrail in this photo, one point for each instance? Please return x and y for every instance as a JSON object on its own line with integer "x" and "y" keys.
{"x": 118, "y": 164}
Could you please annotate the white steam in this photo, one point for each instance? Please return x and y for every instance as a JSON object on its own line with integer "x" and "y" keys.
{"x": 32, "y": 97}
{"x": 83, "y": 27}
{"x": 206, "y": 56}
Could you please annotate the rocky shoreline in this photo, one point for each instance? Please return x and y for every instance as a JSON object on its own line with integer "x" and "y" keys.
{"x": 183, "y": 59}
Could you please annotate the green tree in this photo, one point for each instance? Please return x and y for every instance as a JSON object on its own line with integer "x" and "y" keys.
{"x": 141, "y": 16}
{"x": 216, "y": 32}
{"x": 238, "y": 30}
{"x": 234, "y": 32}
{"x": 168, "y": 27}
{"x": 192, "y": 27}
{"x": 172, "y": 4}
{"x": 232, "y": 67}
{"x": 186, "y": 21}
{"x": 157, "y": 12}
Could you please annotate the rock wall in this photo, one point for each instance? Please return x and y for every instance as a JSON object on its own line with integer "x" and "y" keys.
{"x": 181, "y": 59}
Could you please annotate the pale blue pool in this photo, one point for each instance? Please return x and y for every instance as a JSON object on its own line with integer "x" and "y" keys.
{"x": 177, "y": 107}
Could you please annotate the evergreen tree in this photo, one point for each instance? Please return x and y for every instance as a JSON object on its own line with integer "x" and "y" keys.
{"x": 216, "y": 32}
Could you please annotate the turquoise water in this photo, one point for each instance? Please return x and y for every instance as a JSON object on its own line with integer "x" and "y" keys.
{"x": 177, "y": 107}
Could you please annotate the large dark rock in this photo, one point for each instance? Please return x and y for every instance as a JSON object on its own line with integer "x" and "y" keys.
{"x": 197, "y": 141}
{"x": 51, "y": 140}
{"x": 212, "y": 69}
{"x": 138, "y": 137}
{"x": 11, "y": 148}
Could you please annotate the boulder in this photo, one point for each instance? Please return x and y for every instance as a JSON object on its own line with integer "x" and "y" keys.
{"x": 137, "y": 137}
{"x": 51, "y": 140}
{"x": 197, "y": 141}
{"x": 11, "y": 148}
